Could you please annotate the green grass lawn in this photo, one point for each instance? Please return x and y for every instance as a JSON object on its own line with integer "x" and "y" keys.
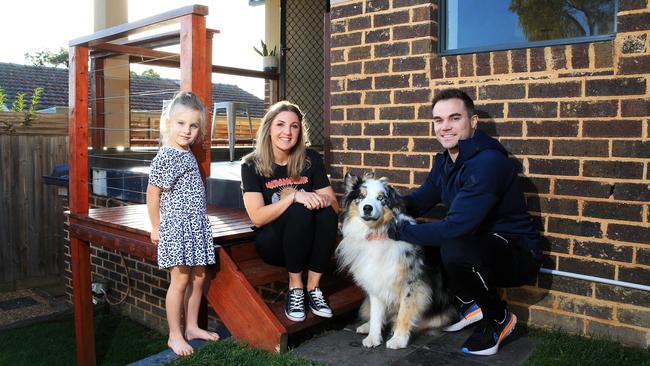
{"x": 120, "y": 340}
{"x": 231, "y": 354}
{"x": 558, "y": 348}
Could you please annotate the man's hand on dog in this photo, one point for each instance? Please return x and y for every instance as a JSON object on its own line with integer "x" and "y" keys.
{"x": 377, "y": 236}
{"x": 391, "y": 234}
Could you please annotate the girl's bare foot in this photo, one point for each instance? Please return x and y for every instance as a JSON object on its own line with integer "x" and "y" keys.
{"x": 194, "y": 333}
{"x": 180, "y": 346}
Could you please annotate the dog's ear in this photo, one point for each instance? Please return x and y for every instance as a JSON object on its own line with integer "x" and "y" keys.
{"x": 384, "y": 180}
{"x": 369, "y": 175}
{"x": 351, "y": 182}
{"x": 397, "y": 201}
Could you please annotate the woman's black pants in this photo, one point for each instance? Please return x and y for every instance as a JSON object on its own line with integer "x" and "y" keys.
{"x": 300, "y": 239}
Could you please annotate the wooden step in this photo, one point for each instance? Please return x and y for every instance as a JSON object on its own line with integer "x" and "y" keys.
{"x": 233, "y": 295}
{"x": 343, "y": 296}
{"x": 259, "y": 273}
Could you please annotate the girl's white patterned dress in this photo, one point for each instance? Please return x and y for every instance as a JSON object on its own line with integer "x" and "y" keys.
{"x": 185, "y": 233}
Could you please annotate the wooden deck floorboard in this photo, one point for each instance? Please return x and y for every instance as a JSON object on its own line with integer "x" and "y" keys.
{"x": 129, "y": 227}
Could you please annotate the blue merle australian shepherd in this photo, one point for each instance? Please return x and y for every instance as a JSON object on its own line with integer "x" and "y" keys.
{"x": 401, "y": 288}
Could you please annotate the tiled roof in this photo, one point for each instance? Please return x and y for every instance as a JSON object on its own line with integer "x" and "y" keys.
{"x": 146, "y": 93}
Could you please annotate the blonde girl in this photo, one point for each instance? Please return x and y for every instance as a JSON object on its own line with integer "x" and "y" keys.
{"x": 179, "y": 223}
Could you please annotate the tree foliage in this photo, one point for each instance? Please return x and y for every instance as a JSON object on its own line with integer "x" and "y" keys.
{"x": 48, "y": 58}
{"x": 150, "y": 73}
{"x": 556, "y": 19}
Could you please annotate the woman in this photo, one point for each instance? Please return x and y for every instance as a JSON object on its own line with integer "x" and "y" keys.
{"x": 289, "y": 199}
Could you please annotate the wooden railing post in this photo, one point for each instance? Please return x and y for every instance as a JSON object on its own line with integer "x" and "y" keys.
{"x": 78, "y": 200}
{"x": 194, "y": 76}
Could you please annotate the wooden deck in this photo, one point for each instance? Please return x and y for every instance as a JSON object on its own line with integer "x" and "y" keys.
{"x": 127, "y": 228}
{"x": 232, "y": 291}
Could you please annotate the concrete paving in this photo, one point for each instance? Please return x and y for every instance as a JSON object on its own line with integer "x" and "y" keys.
{"x": 343, "y": 347}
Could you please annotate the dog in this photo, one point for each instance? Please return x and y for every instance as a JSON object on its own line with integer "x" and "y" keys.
{"x": 400, "y": 287}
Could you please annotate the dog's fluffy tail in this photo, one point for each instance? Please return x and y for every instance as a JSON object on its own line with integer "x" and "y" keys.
{"x": 436, "y": 321}
{"x": 427, "y": 322}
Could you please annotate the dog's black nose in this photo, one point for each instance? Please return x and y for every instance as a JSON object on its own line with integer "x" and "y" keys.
{"x": 367, "y": 209}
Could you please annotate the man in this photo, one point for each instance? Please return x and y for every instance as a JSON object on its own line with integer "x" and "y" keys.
{"x": 487, "y": 239}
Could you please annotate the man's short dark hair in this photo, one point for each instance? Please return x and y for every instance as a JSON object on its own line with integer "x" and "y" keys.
{"x": 455, "y": 94}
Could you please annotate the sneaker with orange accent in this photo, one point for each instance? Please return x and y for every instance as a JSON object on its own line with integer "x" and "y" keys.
{"x": 468, "y": 313}
{"x": 489, "y": 334}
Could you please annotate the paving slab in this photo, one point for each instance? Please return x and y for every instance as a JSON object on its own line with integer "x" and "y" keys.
{"x": 24, "y": 307}
{"x": 168, "y": 355}
{"x": 343, "y": 347}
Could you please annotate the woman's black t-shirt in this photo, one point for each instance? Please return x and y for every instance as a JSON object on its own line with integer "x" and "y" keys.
{"x": 312, "y": 178}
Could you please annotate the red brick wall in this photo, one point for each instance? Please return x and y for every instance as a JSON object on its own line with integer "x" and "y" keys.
{"x": 574, "y": 117}
{"x": 146, "y": 300}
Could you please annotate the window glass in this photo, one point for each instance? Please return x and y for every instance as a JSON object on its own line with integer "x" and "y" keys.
{"x": 499, "y": 24}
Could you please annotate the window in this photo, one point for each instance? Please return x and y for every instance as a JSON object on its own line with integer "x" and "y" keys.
{"x": 479, "y": 25}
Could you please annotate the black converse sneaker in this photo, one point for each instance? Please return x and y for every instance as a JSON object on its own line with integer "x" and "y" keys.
{"x": 468, "y": 313}
{"x": 489, "y": 334}
{"x": 318, "y": 304}
{"x": 295, "y": 307}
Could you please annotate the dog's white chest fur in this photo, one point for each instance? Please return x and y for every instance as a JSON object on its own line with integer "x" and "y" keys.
{"x": 378, "y": 266}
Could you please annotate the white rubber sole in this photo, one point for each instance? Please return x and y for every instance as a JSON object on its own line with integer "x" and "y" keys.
{"x": 295, "y": 318}
{"x": 493, "y": 350}
{"x": 473, "y": 317}
{"x": 320, "y": 313}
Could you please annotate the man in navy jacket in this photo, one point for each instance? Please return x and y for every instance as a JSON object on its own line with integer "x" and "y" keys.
{"x": 487, "y": 240}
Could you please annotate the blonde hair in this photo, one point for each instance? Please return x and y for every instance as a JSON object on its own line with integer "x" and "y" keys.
{"x": 187, "y": 100}
{"x": 262, "y": 156}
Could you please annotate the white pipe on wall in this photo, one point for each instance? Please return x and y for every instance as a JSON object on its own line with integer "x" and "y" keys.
{"x": 596, "y": 279}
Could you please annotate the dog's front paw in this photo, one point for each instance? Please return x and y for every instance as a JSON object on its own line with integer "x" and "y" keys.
{"x": 397, "y": 342}
{"x": 363, "y": 328}
{"x": 372, "y": 341}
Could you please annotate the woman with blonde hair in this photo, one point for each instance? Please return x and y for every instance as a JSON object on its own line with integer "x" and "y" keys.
{"x": 289, "y": 199}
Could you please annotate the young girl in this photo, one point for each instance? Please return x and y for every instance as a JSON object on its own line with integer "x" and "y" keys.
{"x": 179, "y": 223}
{"x": 289, "y": 198}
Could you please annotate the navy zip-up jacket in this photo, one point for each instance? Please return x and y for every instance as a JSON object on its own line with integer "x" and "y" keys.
{"x": 482, "y": 195}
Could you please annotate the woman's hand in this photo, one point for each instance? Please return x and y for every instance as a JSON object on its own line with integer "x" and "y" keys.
{"x": 155, "y": 234}
{"x": 288, "y": 193}
{"x": 326, "y": 199}
{"x": 312, "y": 200}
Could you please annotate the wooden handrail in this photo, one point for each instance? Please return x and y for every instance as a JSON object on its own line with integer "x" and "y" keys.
{"x": 151, "y": 42}
{"x": 218, "y": 69}
{"x": 245, "y": 72}
{"x": 170, "y": 59}
{"x": 127, "y": 29}
{"x": 139, "y": 52}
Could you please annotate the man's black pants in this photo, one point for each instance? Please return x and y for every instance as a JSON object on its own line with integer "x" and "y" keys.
{"x": 477, "y": 265}
{"x": 299, "y": 239}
